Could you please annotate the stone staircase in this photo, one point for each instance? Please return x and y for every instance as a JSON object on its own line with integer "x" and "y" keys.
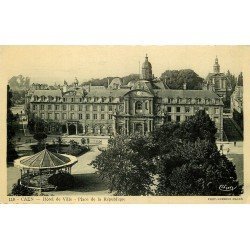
{"x": 232, "y": 130}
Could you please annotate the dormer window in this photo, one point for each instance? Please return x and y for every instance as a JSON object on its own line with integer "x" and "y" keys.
{"x": 110, "y": 99}
{"x": 96, "y": 99}
{"x": 170, "y": 100}
{"x": 103, "y": 99}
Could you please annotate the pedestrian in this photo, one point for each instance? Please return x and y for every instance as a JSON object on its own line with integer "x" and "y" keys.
{"x": 235, "y": 143}
{"x": 228, "y": 150}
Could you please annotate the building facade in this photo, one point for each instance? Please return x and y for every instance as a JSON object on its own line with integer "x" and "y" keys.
{"x": 237, "y": 96}
{"x": 140, "y": 106}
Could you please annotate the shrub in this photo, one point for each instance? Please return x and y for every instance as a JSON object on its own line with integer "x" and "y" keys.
{"x": 40, "y": 136}
{"x": 62, "y": 181}
{"x": 20, "y": 190}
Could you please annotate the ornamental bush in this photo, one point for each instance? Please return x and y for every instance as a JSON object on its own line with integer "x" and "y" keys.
{"x": 62, "y": 181}
{"x": 20, "y": 190}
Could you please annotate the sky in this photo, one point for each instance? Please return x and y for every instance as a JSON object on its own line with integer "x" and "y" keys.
{"x": 54, "y": 64}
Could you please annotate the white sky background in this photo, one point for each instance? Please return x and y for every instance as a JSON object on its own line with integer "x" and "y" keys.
{"x": 50, "y": 64}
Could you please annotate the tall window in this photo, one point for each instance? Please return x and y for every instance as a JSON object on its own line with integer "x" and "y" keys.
{"x": 42, "y": 107}
{"x": 102, "y": 107}
{"x": 178, "y": 118}
{"x": 57, "y": 107}
{"x": 64, "y": 107}
{"x": 80, "y": 116}
{"x": 80, "y": 107}
{"x": 138, "y": 105}
{"x": 87, "y": 107}
{"x": 94, "y": 116}
{"x": 56, "y": 116}
{"x": 72, "y": 107}
{"x": 64, "y": 116}
{"x": 187, "y": 109}
{"x": 94, "y": 107}
{"x": 102, "y": 116}
{"x": 169, "y": 109}
{"x": 110, "y": 108}
{"x": 178, "y": 109}
{"x": 169, "y": 118}
{"x": 110, "y": 117}
{"x": 49, "y": 107}
{"x": 87, "y": 116}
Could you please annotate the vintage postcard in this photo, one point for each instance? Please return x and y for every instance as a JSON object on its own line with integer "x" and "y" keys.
{"x": 124, "y": 124}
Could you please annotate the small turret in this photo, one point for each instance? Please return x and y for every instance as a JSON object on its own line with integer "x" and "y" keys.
{"x": 216, "y": 66}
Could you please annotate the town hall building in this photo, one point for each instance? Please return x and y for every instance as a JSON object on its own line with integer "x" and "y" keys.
{"x": 137, "y": 107}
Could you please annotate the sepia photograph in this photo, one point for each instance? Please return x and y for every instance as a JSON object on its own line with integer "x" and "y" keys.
{"x": 114, "y": 121}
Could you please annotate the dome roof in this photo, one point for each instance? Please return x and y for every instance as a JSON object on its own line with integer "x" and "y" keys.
{"x": 146, "y": 63}
{"x": 45, "y": 159}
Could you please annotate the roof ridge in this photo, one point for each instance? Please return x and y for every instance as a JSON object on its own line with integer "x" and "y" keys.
{"x": 35, "y": 156}
{"x": 56, "y": 157}
{"x": 44, "y": 152}
{"x": 48, "y": 152}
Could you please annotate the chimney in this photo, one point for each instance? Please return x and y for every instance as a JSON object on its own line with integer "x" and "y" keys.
{"x": 184, "y": 86}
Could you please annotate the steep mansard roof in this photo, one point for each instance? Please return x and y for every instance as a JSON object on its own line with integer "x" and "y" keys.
{"x": 163, "y": 93}
{"x": 175, "y": 93}
{"x": 48, "y": 92}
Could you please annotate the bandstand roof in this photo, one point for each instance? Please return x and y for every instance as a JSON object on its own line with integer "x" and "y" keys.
{"x": 45, "y": 160}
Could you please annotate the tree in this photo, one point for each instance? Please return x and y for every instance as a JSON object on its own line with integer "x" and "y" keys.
{"x": 200, "y": 126}
{"x": 176, "y": 159}
{"x": 11, "y": 126}
{"x": 19, "y": 83}
{"x": 40, "y": 137}
{"x": 59, "y": 142}
{"x": 176, "y": 78}
{"x": 127, "y": 166}
{"x": 131, "y": 77}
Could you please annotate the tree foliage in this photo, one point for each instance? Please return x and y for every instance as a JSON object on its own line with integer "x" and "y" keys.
{"x": 11, "y": 127}
{"x": 127, "y": 165}
{"x": 177, "y": 159}
{"x": 19, "y": 82}
{"x": 176, "y": 78}
{"x": 20, "y": 190}
{"x": 62, "y": 180}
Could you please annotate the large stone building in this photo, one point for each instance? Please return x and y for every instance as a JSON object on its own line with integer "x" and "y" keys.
{"x": 140, "y": 106}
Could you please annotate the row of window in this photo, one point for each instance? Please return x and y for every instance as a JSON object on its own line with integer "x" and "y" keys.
{"x": 192, "y": 100}
{"x": 73, "y": 116}
{"x": 73, "y": 99}
{"x": 72, "y": 107}
{"x": 188, "y": 109}
{"x": 177, "y": 118}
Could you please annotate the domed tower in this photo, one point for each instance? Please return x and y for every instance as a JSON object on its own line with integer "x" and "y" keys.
{"x": 216, "y": 66}
{"x": 147, "y": 70}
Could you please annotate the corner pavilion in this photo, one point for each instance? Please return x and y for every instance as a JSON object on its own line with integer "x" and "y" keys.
{"x": 36, "y": 169}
